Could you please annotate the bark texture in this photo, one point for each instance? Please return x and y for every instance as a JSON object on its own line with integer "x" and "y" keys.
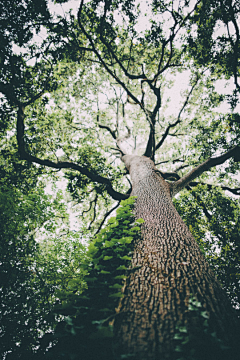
{"x": 171, "y": 270}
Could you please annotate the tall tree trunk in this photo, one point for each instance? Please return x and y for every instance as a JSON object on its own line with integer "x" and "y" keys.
{"x": 170, "y": 270}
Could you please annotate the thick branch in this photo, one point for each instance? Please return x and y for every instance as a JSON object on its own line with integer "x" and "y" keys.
{"x": 168, "y": 175}
{"x": 109, "y": 130}
{"x": 121, "y": 140}
{"x": 205, "y": 166}
{"x": 149, "y": 152}
{"x": 151, "y": 145}
{"x": 61, "y": 165}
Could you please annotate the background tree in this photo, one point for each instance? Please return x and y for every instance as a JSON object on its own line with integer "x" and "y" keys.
{"x": 133, "y": 68}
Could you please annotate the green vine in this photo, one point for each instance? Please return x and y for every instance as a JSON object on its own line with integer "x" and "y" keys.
{"x": 88, "y": 323}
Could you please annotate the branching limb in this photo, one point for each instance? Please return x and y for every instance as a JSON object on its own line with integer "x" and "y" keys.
{"x": 97, "y": 53}
{"x": 61, "y": 165}
{"x": 112, "y": 132}
{"x": 177, "y": 26}
{"x": 90, "y": 204}
{"x": 181, "y": 167}
{"x": 205, "y": 166}
{"x": 113, "y": 53}
{"x": 169, "y": 175}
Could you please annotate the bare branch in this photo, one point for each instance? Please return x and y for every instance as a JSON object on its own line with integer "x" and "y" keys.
{"x": 205, "y": 166}
{"x": 169, "y": 175}
{"x": 90, "y": 204}
{"x": 112, "y": 132}
{"x": 173, "y": 161}
{"x": 105, "y": 217}
{"x": 149, "y": 152}
{"x": 178, "y": 121}
{"x": 181, "y": 167}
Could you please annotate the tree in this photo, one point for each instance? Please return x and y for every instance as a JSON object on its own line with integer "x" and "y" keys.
{"x": 136, "y": 67}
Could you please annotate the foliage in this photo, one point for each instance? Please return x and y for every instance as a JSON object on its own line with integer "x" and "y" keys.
{"x": 79, "y": 81}
{"x": 87, "y": 327}
{"x": 201, "y": 341}
{"x": 24, "y": 302}
{"x": 31, "y": 272}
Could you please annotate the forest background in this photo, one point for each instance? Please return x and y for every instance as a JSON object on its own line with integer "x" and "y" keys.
{"x": 81, "y": 81}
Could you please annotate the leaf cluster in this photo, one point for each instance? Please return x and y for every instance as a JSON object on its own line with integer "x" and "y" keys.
{"x": 88, "y": 321}
{"x": 189, "y": 341}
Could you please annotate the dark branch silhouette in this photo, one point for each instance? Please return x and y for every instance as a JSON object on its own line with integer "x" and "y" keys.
{"x": 205, "y": 166}
{"x": 201, "y": 203}
{"x": 105, "y": 217}
{"x": 235, "y": 191}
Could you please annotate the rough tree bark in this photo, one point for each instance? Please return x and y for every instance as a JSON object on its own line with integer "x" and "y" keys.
{"x": 171, "y": 270}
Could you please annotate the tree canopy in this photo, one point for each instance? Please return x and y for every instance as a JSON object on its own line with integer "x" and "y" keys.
{"x": 78, "y": 92}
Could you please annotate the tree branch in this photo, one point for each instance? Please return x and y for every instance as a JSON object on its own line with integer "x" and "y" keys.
{"x": 109, "y": 48}
{"x": 112, "y": 132}
{"x": 235, "y": 191}
{"x": 168, "y": 175}
{"x": 173, "y": 161}
{"x": 171, "y": 39}
{"x": 205, "y": 166}
{"x": 120, "y": 140}
{"x": 105, "y": 217}
{"x": 201, "y": 203}
{"x": 166, "y": 133}
{"x": 97, "y": 53}
{"x": 61, "y": 165}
